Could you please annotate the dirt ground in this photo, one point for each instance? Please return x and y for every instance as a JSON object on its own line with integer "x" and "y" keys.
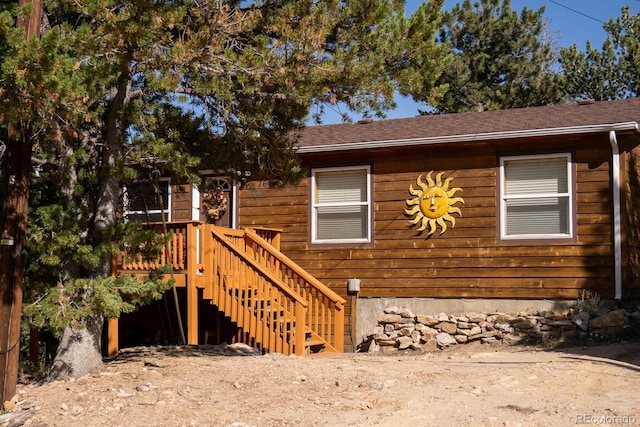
{"x": 470, "y": 385}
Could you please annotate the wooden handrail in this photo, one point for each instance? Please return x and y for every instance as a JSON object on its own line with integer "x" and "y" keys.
{"x": 268, "y": 312}
{"x": 275, "y": 280}
{"x": 271, "y": 235}
{"x": 325, "y": 313}
{"x": 276, "y": 302}
{"x": 296, "y": 268}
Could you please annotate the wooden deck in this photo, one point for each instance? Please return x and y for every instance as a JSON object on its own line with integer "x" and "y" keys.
{"x": 278, "y": 306}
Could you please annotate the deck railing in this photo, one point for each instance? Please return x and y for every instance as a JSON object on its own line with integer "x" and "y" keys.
{"x": 270, "y": 235}
{"x": 278, "y": 305}
{"x": 174, "y": 251}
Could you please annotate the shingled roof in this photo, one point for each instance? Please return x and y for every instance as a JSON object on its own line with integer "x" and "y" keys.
{"x": 584, "y": 117}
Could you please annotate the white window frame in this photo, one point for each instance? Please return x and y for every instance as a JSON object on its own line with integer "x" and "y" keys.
{"x": 166, "y": 210}
{"x": 314, "y": 206}
{"x": 569, "y": 195}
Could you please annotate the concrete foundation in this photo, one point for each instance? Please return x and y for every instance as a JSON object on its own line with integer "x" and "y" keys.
{"x": 368, "y": 309}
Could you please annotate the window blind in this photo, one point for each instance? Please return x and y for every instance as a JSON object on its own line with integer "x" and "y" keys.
{"x": 536, "y": 196}
{"x": 536, "y": 176}
{"x": 344, "y": 222}
{"x": 341, "y": 205}
{"x": 341, "y": 187}
{"x": 537, "y": 216}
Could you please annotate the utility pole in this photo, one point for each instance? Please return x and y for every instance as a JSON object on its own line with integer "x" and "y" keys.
{"x": 13, "y": 224}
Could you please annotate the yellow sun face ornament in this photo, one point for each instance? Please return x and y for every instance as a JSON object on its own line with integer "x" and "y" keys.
{"x": 433, "y": 204}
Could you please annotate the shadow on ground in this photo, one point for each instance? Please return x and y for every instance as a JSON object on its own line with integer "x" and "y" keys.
{"x": 623, "y": 354}
{"x": 141, "y": 353}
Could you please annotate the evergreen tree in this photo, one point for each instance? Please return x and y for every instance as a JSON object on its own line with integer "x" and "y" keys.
{"x": 500, "y": 59}
{"x": 169, "y": 86}
{"x": 614, "y": 71}
{"x": 593, "y": 74}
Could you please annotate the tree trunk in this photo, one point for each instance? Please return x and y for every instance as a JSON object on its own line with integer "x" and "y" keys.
{"x": 14, "y": 229}
{"x": 79, "y": 352}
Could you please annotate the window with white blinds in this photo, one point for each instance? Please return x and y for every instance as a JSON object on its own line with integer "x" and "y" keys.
{"x": 341, "y": 205}
{"x": 536, "y": 199}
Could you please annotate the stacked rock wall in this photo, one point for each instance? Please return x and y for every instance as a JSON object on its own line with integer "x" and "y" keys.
{"x": 400, "y": 329}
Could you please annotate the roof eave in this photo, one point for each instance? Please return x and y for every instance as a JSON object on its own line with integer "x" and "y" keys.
{"x": 528, "y": 133}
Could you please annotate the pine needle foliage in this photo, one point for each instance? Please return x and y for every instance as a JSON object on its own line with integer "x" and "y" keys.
{"x": 501, "y": 59}
{"x": 124, "y": 91}
{"x": 68, "y": 304}
{"x": 613, "y": 72}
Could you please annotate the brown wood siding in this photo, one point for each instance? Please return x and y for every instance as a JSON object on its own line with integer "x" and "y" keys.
{"x": 631, "y": 219}
{"x": 180, "y": 202}
{"x": 467, "y": 260}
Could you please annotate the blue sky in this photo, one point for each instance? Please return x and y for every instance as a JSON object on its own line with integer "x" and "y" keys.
{"x": 570, "y": 22}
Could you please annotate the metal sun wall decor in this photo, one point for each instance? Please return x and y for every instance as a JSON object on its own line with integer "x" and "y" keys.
{"x": 433, "y": 204}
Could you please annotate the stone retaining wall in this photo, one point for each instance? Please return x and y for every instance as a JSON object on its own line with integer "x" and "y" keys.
{"x": 400, "y": 329}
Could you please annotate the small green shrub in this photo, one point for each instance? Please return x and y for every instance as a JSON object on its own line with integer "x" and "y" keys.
{"x": 588, "y": 301}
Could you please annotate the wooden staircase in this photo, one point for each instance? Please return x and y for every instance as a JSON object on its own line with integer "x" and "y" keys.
{"x": 276, "y": 304}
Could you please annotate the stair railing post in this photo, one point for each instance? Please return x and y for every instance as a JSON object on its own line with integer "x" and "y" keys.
{"x": 192, "y": 291}
{"x": 338, "y": 332}
{"x": 300, "y": 329}
{"x": 207, "y": 261}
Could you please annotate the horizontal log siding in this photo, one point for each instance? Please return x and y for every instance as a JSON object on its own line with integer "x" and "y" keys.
{"x": 181, "y": 202}
{"x": 467, "y": 260}
{"x": 631, "y": 224}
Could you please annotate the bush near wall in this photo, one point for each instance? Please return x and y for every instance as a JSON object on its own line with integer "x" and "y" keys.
{"x": 400, "y": 329}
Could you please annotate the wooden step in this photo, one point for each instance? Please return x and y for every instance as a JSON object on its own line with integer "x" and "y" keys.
{"x": 313, "y": 344}
{"x": 314, "y": 347}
